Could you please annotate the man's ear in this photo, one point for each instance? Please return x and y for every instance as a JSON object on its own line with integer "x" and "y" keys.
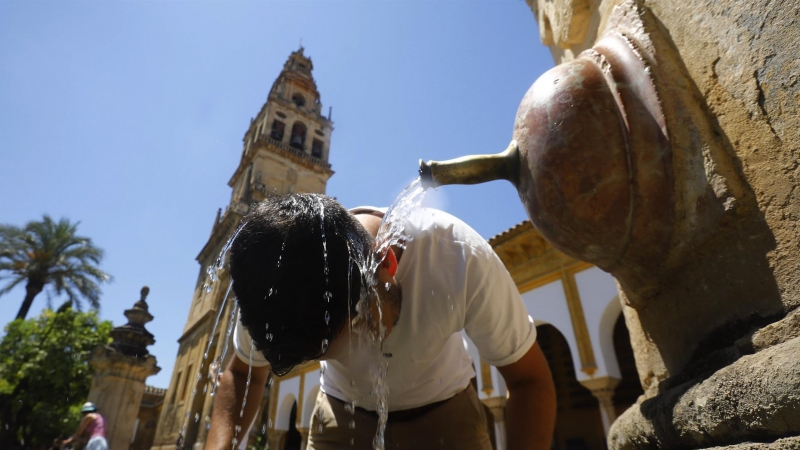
{"x": 390, "y": 262}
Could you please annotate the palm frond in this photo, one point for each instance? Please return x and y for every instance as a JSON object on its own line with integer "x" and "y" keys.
{"x": 12, "y": 284}
{"x": 51, "y": 253}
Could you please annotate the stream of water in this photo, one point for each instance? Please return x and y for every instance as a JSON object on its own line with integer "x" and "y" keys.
{"x": 391, "y": 233}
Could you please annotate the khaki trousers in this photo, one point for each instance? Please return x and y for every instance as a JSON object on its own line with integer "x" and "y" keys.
{"x": 457, "y": 423}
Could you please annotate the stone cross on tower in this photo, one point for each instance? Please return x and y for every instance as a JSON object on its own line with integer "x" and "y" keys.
{"x": 120, "y": 370}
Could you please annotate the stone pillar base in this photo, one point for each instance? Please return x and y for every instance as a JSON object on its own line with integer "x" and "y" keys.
{"x": 752, "y": 399}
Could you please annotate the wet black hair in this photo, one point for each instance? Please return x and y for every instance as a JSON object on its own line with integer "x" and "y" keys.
{"x": 296, "y": 276}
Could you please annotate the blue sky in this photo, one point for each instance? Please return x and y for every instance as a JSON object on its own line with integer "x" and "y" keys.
{"x": 129, "y": 117}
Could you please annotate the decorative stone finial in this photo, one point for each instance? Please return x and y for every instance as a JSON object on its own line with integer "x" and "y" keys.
{"x": 132, "y": 338}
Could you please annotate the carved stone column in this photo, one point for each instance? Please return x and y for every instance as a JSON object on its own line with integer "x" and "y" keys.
{"x": 603, "y": 390}
{"x": 497, "y": 405}
{"x": 303, "y": 437}
{"x": 120, "y": 370}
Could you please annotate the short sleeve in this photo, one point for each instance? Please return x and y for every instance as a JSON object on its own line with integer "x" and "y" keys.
{"x": 243, "y": 344}
{"x": 496, "y": 318}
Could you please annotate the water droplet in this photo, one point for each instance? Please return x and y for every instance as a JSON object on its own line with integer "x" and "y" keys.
{"x": 238, "y": 428}
{"x": 352, "y": 424}
{"x": 352, "y": 441}
{"x": 327, "y": 317}
{"x": 432, "y": 292}
{"x": 271, "y": 290}
{"x": 266, "y": 327}
{"x": 324, "y": 346}
{"x": 196, "y": 417}
{"x": 349, "y": 408}
{"x": 387, "y": 285}
{"x": 319, "y": 429}
{"x": 271, "y": 380}
{"x": 205, "y": 388}
{"x": 264, "y": 429}
{"x": 269, "y": 423}
{"x": 328, "y": 296}
{"x": 207, "y": 288}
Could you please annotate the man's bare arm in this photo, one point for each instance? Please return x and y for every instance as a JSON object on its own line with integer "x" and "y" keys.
{"x": 531, "y": 405}
{"x": 228, "y": 403}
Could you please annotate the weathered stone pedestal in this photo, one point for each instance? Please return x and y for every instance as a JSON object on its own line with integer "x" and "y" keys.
{"x": 120, "y": 371}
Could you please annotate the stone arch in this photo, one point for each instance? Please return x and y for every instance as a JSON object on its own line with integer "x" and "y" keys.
{"x": 298, "y": 138}
{"x": 298, "y": 100}
{"x": 578, "y": 421}
{"x": 608, "y": 320}
{"x": 547, "y": 305}
{"x": 293, "y": 440}
{"x": 308, "y": 407}
{"x": 283, "y": 415}
{"x": 629, "y": 388}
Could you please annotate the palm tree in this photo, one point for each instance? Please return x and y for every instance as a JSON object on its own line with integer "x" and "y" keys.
{"x": 48, "y": 253}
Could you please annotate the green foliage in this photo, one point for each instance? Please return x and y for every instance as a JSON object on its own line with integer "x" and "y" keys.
{"x": 259, "y": 443}
{"x": 45, "y": 375}
{"x": 49, "y": 253}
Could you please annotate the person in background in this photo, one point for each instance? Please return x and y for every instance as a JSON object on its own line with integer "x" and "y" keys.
{"x": 91, "y": 433}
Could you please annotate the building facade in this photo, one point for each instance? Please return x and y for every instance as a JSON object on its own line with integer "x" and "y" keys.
{"x": 285, "y": 149}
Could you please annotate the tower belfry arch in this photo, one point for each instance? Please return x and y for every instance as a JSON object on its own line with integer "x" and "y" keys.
{"x": 285, "y": 149}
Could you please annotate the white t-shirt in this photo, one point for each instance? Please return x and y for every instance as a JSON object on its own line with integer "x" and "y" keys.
{"x": 451, "y": 280}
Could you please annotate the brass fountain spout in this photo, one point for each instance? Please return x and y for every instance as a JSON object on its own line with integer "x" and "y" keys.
{"x": 473, "y": 169}
{"x": 591, "y": 160}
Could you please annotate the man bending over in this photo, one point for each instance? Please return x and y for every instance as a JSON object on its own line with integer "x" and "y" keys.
{"x": 297, "y": 288}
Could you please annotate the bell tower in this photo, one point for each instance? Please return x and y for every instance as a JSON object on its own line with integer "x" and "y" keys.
{"x": 286, "y": 148}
